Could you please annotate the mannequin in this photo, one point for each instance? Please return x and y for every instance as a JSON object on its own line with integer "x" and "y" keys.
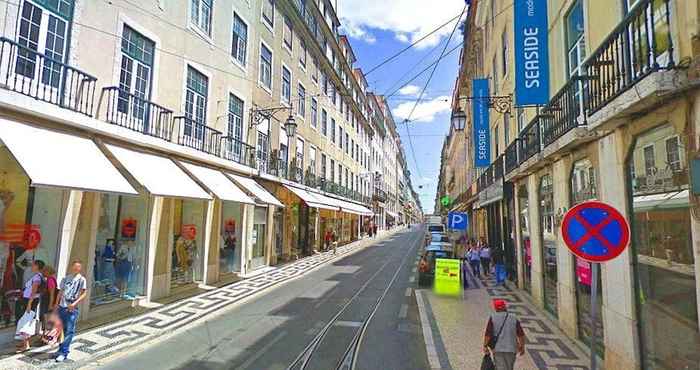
{"x": 108, "y": 256}
{"x": 124, "y": 265}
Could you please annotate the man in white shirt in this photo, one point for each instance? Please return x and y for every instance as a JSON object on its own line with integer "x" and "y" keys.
{"x": 72, "y": 291}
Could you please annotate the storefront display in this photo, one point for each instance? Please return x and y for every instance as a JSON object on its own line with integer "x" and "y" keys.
{"x": 188, "y": 242}
{"x": 30, "y": 229}
{"x": 230, "y": 245}
{"x": 120, "y": 250}
{"x": 549, "y": 243}
{"x": 258, "y": 238}
{"x": 662, "y": 245}
{"x": 526, "y": 250}
{"x": 583, "y": 188}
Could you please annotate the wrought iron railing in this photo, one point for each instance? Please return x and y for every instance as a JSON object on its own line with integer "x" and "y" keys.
{"x": 310, "y": 178}
{"x": 565, "y": 111}
{"x": 498, "y": 168}
{"x": 296, "y": 173}
{"x": 237, "y": 151}
{"x": 135, "y": 113}
{"x": 641, "y": 44}
{"x": 196, "y": 135}
{"x": 511, "y": 156}
{"x": 530, "y": 140}
{"x": 36, "y": 75}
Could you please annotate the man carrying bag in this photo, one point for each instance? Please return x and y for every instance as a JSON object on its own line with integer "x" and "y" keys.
{"x": 500, "y": 349}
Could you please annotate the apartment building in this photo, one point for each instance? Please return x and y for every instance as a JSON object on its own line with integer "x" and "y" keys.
{"x": 620, "y": 126}
{"x": 168, "y": 144}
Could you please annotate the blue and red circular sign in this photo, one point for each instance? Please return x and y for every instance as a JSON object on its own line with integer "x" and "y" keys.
{"x": 595, "y": 231}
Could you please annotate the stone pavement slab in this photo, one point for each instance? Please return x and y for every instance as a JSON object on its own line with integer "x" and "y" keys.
{"x": 176, "y": 317}
{"x": 458, "y": 324}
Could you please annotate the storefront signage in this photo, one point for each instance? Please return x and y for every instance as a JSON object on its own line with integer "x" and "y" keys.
{"x": 531, "y": 52}
{"x": 583, "y": 272}
{"x": 482, "y": 136}
{"x": 26, "y": 235}
{"x": 129, "y": 227}
{"x": 595, "y": 231}
{"x": 189, "y": 231}
{"x": 447, "y": 277}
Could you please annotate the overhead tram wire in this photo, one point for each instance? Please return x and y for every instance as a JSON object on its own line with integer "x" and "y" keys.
{"x": 420, "y": 97}
{"x": 387, "y": 95}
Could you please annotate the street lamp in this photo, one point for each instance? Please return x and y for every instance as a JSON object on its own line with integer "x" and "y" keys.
{"x": 459, "y": 119}
{"x": 290, "y": 126}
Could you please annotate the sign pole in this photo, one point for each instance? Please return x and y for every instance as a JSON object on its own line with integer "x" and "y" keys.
{"x": 594, "y": 308}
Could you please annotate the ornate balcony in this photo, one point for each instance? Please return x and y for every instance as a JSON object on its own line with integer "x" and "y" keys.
{"x": 127, "y": 110}
{"x": 565, "y": 111}
{"x": 197, "y": 135}
{"x": 530, "y": 140}
{"x": 511, "y": 156}
{"x": 237, "y": 151}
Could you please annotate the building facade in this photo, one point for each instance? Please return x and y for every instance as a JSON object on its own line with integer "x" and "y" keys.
{"x": 171, "y": 144}
{"x": 621, "y": 127}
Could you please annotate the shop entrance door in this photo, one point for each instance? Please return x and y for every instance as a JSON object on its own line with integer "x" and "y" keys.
{"x": 258, "y": 238}
{"x": 303, "y": 239}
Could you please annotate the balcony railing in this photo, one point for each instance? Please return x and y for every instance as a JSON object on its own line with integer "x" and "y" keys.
{"x": 130, "y": 111}
{"x": 36, "y": 75}
{"x": 237, "y": 151}
{"x": 196, "y": 135}
{"x": 310, "y": 178}
{"x": 296, "y": 173}
{"x": 564, "y": 111}
{"x": 511, "y": 156}
{"x": 530, "y": 140}
{"x": 639, "y": 45}
{"x": 498, "y": 168}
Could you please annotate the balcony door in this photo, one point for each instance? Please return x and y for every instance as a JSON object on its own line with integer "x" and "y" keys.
{"x": 576, "y": 53}
{"x": 648, "y": 35}
{"x": 42, "y": 37}
{"x": 135, "y": 77}
{"x": 195, "y": 109}
{"x": 234, "y": 133}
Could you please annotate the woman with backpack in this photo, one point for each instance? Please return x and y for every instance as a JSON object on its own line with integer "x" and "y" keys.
{"x": 31, "y": 295}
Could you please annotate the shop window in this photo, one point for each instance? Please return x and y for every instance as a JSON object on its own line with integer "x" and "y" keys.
{"x": 120, "y": 250}
{"x": 188, "y": 242}
{"x": 549, "y": 243}
{"x": 258, "y": 237}
{"x": 662, "y": 243}
{"x": 30, "y": 229}
{"x": 583, "y": 188}
{"x": 526, "y": 249}
{"x": 230, "y": 243}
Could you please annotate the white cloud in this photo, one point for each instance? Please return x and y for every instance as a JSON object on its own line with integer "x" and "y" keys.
{"x": 425, "y": 111}
{"x": 409, "y": 90}
{"x": 409, "y": 20}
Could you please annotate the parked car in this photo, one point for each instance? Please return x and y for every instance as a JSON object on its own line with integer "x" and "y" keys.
{"x": 426, "y": 268}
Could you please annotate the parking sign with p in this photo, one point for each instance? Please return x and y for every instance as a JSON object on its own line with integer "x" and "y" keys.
{"x": 457, "y": 221}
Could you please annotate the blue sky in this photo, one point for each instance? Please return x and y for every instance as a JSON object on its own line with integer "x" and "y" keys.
{"x": 377, "y": 30}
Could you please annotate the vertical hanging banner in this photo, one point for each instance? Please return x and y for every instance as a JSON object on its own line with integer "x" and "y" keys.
{"x": 531, "y": 53}
{"x": 482, "y": 136}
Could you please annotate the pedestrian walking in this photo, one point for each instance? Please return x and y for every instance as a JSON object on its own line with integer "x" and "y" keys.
{"x": 374, "y": 230}
{"x": 498, "y": 257}
{"x": 27, "y": 311}
{"x": 485, "y": 256}
{"x": 474, "y": 260}
{"x": 72, "y": 291}
{"x": 504, "y": 337}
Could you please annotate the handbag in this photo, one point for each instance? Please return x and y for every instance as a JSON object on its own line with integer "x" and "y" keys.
{"x": 27, "y": 325}
{"x": 487, "y": 362}
{"x": 494, "y": 340}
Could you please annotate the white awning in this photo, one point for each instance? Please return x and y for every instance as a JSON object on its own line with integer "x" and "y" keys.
{"x": 159, "y": 175}
{"x": 256, "y": 190}
{"x": 312, "y": 200}
{"x": 52, "y": 158}
{"x": 354, "y": 208}
{"x": 218, "y": 183}
{"x": 390, "y": 213}
{"x": 674, "y": 199}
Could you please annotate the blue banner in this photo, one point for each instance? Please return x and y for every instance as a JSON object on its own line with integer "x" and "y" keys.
{"x": 531, "y": 52}
{"x": 482, "y": 135}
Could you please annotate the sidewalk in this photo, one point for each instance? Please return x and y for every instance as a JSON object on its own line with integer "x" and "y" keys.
{"x": 458, "y": 327}
{"x": 173, "y": 318}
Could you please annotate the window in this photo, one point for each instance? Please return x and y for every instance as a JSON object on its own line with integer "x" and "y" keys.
{"x": 576, "y": 48}
{"x": 323, "y": 165}
{"x": 43, "y": 31}
{"x": 333, "y": 130}
{"x": 347, "y": 141}
{"x": 300, "y": 153}
{"x": 315, "y": 72}
{"x": 340, "y": 136}
{"x": 235, "y": 127}
{"x": 673, "y": 156}
{"x": 196, "y": 103}
{"x": 521, "y": 119}
{"x": 287, "y": 34}
{"x": 504, "y": 53}
{"x": 324, "y": 122}
{"x": 495, "y": 141}
{"x": 200, "y": 15}
{"x": 314, "y": 112}
{"x": 268, "y": 12}
{"x": 265, "y": 67}
{"x": 301, "y": 104}
{"x": 332, "y": 175}
{"x": 346, "y": 177}
{"x": 135, "y": 74}
{"x": 239, "y": 43}
{"x": 286, "y": 85}
{"x": 649, "y": 161}
{"x": 261, "y": 150}
{"x": 312, "y": 160}
{"x": 506, "y": 128}
{"x": 302, "y": 53}
{"x": 340, "y": 174}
